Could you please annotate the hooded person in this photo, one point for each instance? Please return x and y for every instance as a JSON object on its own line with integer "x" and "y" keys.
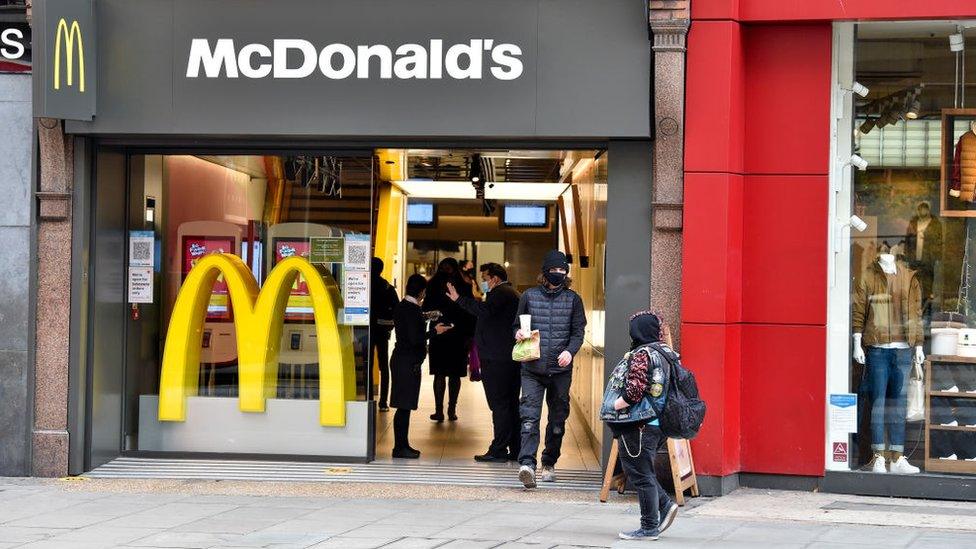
{"x": 558, "y": 315}
{"x": 648, "y": 371}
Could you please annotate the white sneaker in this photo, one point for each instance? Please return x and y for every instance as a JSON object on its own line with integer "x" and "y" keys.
{"x": 878, "y": 465}
{"x": 953, "y": 423}
{"x": 902, "y": 467}
{"x": 548, "y": 474}
{"x": 952, "y": 457}
{"x": 527, "y": 476}
{"x": 953, "y": 389}
{"x": 970, "y": 459}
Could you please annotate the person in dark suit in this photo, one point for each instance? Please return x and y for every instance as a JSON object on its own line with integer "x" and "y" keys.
{"x": 408, "y": 357}
{"x": 500, "y": 374}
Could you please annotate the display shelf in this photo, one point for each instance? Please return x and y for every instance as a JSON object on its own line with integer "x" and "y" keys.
{"x": 950, "y": 466}
{"x": 953, "y": 359}
{"x": 933, "y": 464}
{"x": 962, "y": 428}
{"x": 951, "y": 395}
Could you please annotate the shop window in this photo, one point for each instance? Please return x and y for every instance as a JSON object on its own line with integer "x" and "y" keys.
{"x": 913, "y": 266}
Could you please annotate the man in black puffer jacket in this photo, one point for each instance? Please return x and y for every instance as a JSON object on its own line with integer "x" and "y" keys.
{"x": 558, "y": 313}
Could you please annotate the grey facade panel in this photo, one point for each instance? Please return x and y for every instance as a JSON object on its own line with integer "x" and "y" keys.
{"x": 15, "y": 262}
{"x": 586, "y": 70}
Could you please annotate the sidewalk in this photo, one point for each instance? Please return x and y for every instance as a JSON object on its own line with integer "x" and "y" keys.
{"x": 88, "y": 514}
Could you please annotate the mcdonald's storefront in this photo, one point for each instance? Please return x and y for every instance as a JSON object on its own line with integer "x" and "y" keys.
{"x": 237, "y": 164}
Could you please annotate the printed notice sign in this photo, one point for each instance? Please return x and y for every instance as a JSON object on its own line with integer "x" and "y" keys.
{"x": 142, "y": 248}
{"x": 357, "y": 256}
{"x": 140, "y": 284}
{"x": 840, "y": 452}
{"x": 843, "y": 413}
{"x": 326, "y": 249}
{"x": 356, "y": 298}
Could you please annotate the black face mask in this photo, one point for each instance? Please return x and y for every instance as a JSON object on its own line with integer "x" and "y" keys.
{"x": 556, "y": 279}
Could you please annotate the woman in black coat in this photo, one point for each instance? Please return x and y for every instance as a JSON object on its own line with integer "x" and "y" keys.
{"x": 408, "y": 357}
{"x": 448, "y": 351}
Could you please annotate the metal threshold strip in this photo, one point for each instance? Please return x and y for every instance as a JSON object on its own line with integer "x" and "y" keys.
{"x": 376, "y": 473}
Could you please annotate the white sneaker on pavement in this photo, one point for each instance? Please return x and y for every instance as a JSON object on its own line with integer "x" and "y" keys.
{"x": 902, "y": 467}
{"x": 548, "y": 474}
{"x": 527, "y": 476}
{"x": 952, "y": 457}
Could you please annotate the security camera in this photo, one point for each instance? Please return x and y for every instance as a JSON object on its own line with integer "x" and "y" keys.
{"x": 860, "y": 89}
{"x": 858, "y": 224}
{"x": 858, "y": 162}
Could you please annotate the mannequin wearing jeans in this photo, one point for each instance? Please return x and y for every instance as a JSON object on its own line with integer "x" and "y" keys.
{"x": 886, "y": 317}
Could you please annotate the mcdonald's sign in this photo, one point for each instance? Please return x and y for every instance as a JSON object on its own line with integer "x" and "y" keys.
{"x": 71, "y": 37}
{"x": 64, "y": 54}
{"x": 258, "y": 319}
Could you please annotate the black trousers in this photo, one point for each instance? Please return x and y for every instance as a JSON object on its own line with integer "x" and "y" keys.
{"x": 638, "y": 447}
{"x": 502, "y": 381}
{"x": 401, "y": 429}
{"x": 381, "y": 346}
{"x": 555, "y": 390}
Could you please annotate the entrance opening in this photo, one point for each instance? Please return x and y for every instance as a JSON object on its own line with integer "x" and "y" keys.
{"x": 507, "y": 207}
{"x": 230, "y": 314}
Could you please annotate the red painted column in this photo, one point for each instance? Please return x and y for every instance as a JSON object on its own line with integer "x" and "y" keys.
{"x": 712, "y": 262}
{"x": 754, "y": 299}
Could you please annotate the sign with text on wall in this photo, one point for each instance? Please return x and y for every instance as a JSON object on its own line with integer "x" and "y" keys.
{"x": 355, "y": 279}
{"x": 142, "y": 258}
{"x": 843, "y": 412}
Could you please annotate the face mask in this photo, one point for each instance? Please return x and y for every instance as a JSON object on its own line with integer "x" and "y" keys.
{"x": 556, "y": 279}
{"x": 484, "y": 287}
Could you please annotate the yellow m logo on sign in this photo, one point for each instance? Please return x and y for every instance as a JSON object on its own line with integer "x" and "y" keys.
{"x": 258, "y": 318}
{"x": 68, "y": 36}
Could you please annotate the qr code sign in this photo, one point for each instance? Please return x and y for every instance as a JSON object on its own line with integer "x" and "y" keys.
{"x": 142, "y": 251}
{"x": 357, "y": 255}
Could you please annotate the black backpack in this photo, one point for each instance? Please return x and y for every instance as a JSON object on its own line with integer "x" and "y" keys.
{"x": 684, "y": 410}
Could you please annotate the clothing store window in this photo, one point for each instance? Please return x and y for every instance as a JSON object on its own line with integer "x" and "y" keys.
{"x": 913, "y": 266}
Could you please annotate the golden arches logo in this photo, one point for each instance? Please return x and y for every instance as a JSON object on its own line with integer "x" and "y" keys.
{"x": 258, "y": 319}
{"x": 69, "y": 35}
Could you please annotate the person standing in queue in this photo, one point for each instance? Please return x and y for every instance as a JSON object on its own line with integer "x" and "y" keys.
{"x": 499, "y": 373}
{"x": 448, "y": 351}
{"x": 409, "y": 353}
{"x": 558, "y": 314}
{"x": 383, "y": 299}
{"x": 648, "y": 372}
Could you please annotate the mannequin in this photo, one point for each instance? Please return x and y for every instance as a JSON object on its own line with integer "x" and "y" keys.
{"x": 962, "y": 184}
{"x": 923, "y": 250}
{"x": 886, "y": 318}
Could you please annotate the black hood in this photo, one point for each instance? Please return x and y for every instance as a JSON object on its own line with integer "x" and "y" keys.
{"x": 645, "y": 328}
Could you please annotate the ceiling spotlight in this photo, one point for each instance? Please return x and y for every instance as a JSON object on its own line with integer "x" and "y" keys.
{"x": 860, "y": 89}
{"x": 475, "y": 179}
{"x": 857, "y": 162}
{"x": 956, "y": 42}
{"x": 912, "y": 113}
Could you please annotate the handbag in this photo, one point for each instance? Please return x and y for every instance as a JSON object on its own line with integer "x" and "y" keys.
{"x": 915, "y": 411}
{"x": 474, "y": 362}
{"x": 528, "y": 350}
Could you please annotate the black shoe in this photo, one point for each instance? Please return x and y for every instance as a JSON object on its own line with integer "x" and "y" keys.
{"x": 384, "y": 408}
{"x": 490, "y": 458}
{"x": 405, "y": 453}
{"x": 452, "y": 415}
{"x": 438, "y": 417}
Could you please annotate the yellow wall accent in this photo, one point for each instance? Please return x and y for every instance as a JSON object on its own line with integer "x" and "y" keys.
{"x": 388, "y": 223}
{"x": 258, "y": 319}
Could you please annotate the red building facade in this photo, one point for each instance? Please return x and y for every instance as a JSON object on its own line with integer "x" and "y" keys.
{"x": 757, "y": 170}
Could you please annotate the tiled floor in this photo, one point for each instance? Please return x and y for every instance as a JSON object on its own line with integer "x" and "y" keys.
{"x": 455, "y": 443}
